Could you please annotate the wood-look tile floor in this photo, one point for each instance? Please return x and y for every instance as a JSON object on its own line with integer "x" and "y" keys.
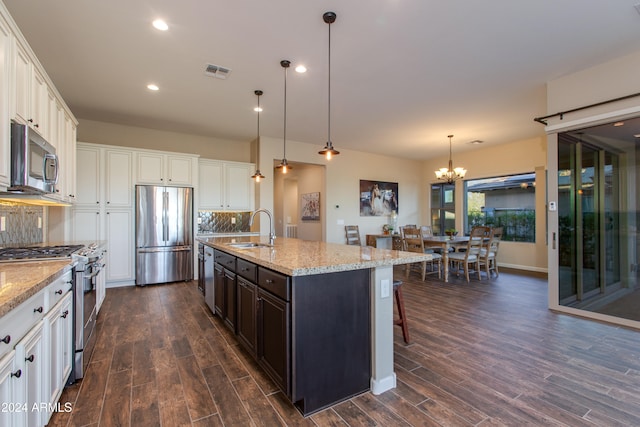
{"x": 482, "y": 354}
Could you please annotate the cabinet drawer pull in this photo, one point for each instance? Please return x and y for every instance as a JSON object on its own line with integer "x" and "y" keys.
{"x": 59, "y": 291}
{"x": 38, "y": 310}
{"x": 17, "y": 373}
{"x": 6, "y": 339}
{"x": 65, "y": 314}
{"x": 30, "y": 358}
{"x": 269, "y": 281}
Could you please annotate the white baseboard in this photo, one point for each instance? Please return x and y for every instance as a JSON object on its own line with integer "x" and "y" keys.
{"x": 524, "y": 267}
{"x": 384, "y": 384}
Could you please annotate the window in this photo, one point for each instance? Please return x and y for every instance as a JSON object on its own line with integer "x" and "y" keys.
{"x": 443, "y": 212}
{"x": 503, "y": 201}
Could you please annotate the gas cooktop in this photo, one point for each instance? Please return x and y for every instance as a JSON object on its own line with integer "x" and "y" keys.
{"x": 38, "y": 252}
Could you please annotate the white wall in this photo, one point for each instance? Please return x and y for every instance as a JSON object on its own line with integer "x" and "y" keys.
{"x": 137, "y": 137}
{"x": 518, "y": 157}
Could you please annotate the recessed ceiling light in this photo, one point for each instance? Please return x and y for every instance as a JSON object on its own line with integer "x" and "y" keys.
{"x": 301, "y": 69}
{"x": 617, "y": 124}
{"x": 153, "y": 87}
{"x": 159, "y": 24}
{"x": 258, "y": 109}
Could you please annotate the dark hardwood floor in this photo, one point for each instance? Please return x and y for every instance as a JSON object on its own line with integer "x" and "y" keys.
{"x": 485, "y": 353}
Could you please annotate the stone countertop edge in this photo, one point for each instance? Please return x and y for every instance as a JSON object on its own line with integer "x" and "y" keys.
{"x": 21, "y": 280}
{"x": 295, "y": 257}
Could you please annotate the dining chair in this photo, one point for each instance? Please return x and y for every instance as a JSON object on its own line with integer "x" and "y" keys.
{"x": 471, "y": 256}
{"x": 413, "y": 242}
{"x": 352, "y": 233}
{"x": 489, "y": 252}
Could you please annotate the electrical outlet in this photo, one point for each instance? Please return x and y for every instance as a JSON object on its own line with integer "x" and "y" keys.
{"x": 3, "y": 223}
{"x": 385, "y": 288}
{"x": 233, "y": 220}
{"x": 39, "y": 222}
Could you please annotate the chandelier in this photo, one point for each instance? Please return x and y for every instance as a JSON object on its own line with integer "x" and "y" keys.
{"x": 450, "y": 175}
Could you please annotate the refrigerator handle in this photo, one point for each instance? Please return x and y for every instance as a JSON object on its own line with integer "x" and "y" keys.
{"x": 165, "y": 221}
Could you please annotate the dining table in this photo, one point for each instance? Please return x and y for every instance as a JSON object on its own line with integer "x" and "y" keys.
{"x": 445, "y": 243}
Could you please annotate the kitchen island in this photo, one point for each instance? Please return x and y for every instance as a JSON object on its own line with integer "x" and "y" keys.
{"x": 318, "y": 317}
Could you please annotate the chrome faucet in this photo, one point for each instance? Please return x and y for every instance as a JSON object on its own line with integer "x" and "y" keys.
{"x": 272, "y": 234}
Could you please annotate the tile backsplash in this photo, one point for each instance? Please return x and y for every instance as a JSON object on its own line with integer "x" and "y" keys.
{"x": 22, "y": 223}
{"x": 223, "y": 222}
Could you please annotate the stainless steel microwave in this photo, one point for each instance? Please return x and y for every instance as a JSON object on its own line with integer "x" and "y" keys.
{"x": 34, "y": 164}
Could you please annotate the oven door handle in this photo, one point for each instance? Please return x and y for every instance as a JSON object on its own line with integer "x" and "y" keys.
{"x": 97, "y": 270}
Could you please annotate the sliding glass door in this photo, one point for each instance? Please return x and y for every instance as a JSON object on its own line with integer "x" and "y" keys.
{"x": 588, "y": 219}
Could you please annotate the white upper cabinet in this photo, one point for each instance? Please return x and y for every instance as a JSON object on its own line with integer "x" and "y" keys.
{"x": 164, "y": 168}
{"x": 210, "y": 187}
{"x": 118, "y": 173}
{"x": 21, "y": 84}
{"x": 88, "y": 167}
{"x": 225, "y": 185}
{"x": 28, "y": 96}
{"x": 5, "y": 123}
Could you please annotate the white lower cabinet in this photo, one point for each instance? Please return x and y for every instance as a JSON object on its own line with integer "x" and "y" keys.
{"x": 11, "y": 396}
{"x": 119, "y": 237}
{"x": 59, "y": 322}
{"x": 37, "y": 357}
{"x": 30, "y": 352}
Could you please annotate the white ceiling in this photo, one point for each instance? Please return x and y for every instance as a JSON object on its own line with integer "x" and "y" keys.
{"x": 404, "y": 73}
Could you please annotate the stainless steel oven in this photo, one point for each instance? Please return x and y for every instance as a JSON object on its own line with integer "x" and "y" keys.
{"x": 89, "y": 265}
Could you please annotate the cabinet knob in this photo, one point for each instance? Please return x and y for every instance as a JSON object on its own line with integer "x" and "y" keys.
{"x": 97, "y": 202}
{"x": 6, "y": 339}
{"x": 30, "y": 358}
{"x": 65, "y": 314}
{"x": 59, "y": 291}
{"x": 36, "y": 125}
{"x": 269, "y": 281}
{"x": 17, "y": 373}
{"x": 38, "y": 310}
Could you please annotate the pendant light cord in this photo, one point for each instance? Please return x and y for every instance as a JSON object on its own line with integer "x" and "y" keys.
{"x": 329, "y": 98}
{"x": 284, "y": 143}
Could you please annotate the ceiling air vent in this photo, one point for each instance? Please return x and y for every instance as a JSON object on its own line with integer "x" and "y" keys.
{"x": 217, "y": 71}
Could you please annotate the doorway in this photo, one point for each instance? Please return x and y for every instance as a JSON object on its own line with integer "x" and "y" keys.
{"x": 289, "y": 189}
{"x": 597, "y": 243}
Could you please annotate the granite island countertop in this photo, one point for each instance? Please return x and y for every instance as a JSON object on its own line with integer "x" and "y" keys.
{"x": 295, "y": 257}
{"x": 20, "y": 280}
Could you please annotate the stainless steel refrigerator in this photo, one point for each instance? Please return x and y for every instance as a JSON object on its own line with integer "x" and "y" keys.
{"x": 164, "y": 234}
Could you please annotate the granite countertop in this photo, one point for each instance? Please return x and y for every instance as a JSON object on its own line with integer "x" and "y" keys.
{"x": 21, "y": 280}
{"x": 295, "y": 257}
{"x": 230, "y": 233}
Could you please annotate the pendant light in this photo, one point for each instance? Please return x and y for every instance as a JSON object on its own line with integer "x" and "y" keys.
{"x": 328, "y": 151}
{"x": 258, "y": 176}
{"x": 449, "y": 174}
{"x": 283, "y": 164}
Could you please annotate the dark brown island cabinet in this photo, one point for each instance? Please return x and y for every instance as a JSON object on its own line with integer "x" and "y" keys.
{"x": 311, "y": 334}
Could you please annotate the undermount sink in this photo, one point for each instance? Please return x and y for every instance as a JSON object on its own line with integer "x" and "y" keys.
{"x": 249, "y": 245}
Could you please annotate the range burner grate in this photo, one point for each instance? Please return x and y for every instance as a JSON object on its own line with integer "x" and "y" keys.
{"x": 38, "y": 252}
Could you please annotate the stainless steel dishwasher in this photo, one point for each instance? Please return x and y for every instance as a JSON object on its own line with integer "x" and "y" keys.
{"x": 208, "y": 278}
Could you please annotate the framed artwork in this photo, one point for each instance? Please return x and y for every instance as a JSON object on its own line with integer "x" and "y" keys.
{"x": 378, "y": 198}
{"x": 310, "y": 206}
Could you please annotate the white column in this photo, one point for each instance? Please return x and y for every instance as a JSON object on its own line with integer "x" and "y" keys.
{"x": 382, "y": 376}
